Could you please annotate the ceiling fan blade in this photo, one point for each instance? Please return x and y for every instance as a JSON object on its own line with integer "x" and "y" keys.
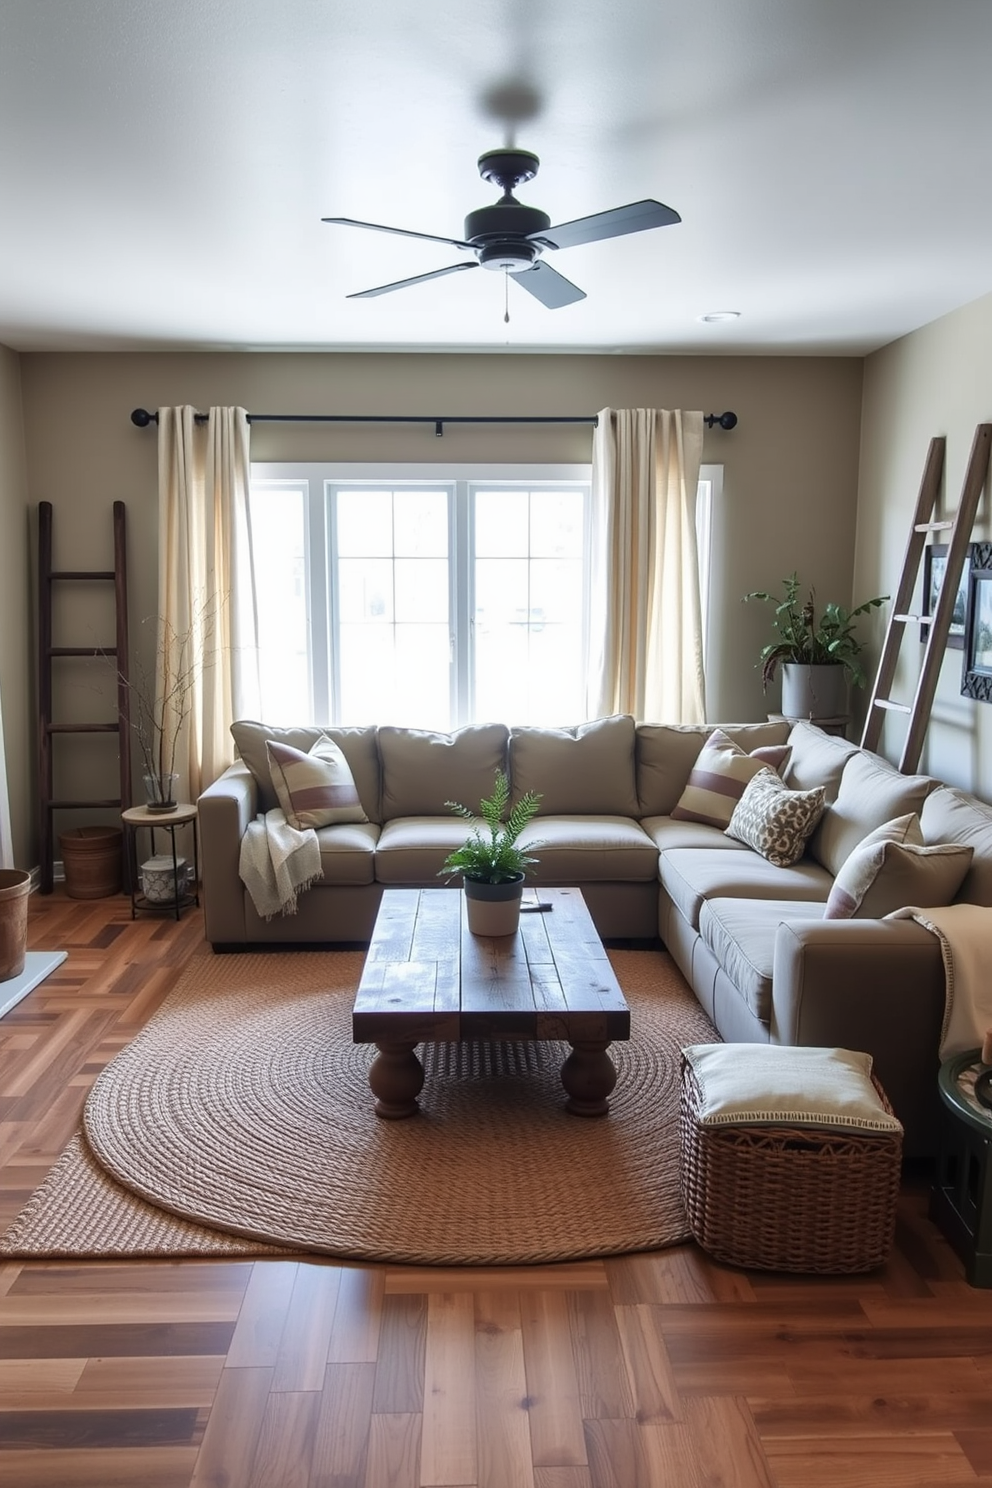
{"x": 550, "y": 287}
{"x": 402, "y": 232}
{"x": 635, "y": 217}
{"x": 369, "y": 294}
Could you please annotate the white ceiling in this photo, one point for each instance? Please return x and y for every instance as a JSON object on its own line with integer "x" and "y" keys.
{"x": 164, "y": 166}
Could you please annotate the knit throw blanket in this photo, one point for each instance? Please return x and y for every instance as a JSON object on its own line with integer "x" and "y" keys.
{"x": 277, "y": 863}
{"x": 965, "y": 935}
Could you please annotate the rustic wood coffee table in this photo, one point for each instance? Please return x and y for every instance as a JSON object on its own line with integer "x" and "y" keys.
{"x": 427, "y": 979}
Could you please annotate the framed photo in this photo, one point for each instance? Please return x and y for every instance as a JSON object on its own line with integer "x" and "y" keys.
{"x": 934, "y": 566}
{"x": 976, "y": 673}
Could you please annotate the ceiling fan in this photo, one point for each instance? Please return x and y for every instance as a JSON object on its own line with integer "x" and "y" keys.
{"x": 511, "y": 238}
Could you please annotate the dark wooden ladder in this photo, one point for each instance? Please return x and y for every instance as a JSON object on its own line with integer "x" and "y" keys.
{"x": 959, "y": 530}
{"x": 48, "y": 653}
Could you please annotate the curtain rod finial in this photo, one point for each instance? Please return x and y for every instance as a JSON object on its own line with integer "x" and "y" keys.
{"x": 143, "y": 418}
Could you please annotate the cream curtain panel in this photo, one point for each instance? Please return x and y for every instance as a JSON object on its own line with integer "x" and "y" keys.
{"x": 207, "y": 618}
{"x": 646, "y": 646}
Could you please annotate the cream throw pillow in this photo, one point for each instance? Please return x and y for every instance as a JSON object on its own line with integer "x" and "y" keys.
{"x": 315, "y": 789}
{"x": 719, "y": 776}
{"x": 775, "y": 821}
{"x": 892, "y": 869}
{"x": 776, "y": 1084}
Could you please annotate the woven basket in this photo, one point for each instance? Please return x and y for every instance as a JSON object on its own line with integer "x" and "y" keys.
{"x": 788, "y": 1198}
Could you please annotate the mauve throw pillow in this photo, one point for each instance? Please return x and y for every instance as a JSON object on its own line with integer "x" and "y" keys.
{"x": 719, "y": 776}
{"x": 315, "y": 789}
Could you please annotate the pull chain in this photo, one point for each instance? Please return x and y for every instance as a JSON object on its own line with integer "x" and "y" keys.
{"x": 506, "y": 298}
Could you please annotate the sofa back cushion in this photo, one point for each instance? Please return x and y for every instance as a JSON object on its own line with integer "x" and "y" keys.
{"x": 587, "y": 770}
{"x": 951, "y": 815}
{"x": 421, "y": 770}
{"x": 817, "y": 759}
{"x": 871, "y": 793}
{"x": 358, "y": 746}
{"x": 667, "y": 752}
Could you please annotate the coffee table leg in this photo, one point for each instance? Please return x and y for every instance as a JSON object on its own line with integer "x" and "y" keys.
{"x": 396, "y": 1078}
{"x": 588, "y": 1076}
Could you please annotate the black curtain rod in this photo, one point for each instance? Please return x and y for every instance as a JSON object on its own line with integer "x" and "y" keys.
{"x": 143, "y": 418}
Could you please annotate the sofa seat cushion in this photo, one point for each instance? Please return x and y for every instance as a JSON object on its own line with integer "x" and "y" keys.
{"x": 693, "y": 874}
{"x": 411, "y": 849}
{"x": 590, "y": 849}
{"x": 421, "y": 770}
{"x": 347, "y": 853}
{"x": 666, "y": 832}
{"x": 741, "y": 935}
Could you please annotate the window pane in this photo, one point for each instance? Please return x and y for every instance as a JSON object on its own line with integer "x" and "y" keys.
{"x": 501, "y": 519}
{"x": 421, "y": 524}
{"x": 557, "y": 524}
{"x": 279, "y": 532}
{"x": 421, "y": 589}
{"x": 364, "y": 523}
{"x": 365, "y": 590}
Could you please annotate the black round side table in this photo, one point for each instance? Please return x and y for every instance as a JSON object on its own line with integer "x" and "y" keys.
{"x": 961, "y": 1198}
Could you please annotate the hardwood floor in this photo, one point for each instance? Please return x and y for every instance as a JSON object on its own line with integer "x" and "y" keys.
{"x": 658, "y": 1369}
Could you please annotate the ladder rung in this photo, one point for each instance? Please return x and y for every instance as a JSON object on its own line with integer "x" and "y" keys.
{"x": 892, "y": 705}
{"x": 933, "y": 526}
{"x": 88, "y": 573}
{"x": 82, "y": 651}
{"x": 78, "y": 805}
{"x": 914, "y": 619}
{"x": 82, "y": 728}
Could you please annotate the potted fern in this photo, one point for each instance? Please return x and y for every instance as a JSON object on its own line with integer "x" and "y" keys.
{"x": 491, "y": 861}
{"x": 818, "y": 655}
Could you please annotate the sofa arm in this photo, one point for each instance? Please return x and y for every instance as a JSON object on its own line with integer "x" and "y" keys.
{"x": 875, "y": 985}
{"x": 225, "y": 809}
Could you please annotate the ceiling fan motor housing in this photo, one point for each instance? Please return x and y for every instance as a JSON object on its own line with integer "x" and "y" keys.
{"x": 500, "y": 235}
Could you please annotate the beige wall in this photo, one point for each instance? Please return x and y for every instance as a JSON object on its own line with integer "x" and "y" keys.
{"x": 791, "y": 467}
{"x": 16, "y": 630}
{"x": 936, "y": 381}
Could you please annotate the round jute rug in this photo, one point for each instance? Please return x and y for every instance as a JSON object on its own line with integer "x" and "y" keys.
{"x": 244, "y": 1106}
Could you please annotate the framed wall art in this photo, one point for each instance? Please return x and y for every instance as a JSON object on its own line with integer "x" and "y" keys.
{"x": 934, "y": 567}
{"x": 976, "y": 672}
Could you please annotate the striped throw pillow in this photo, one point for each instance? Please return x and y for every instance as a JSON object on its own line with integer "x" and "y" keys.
{"x": 719, "y": 776}
{"x": 315, "y": 789}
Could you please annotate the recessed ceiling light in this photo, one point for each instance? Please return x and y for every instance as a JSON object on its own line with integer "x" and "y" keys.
{"x": 713, "y": 315}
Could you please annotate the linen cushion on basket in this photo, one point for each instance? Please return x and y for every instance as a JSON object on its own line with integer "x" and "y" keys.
{"x": 718, "y": 778}
{"x": 776, "y": 1084}
{"x": 315, "y": 789}
{"x": 893, "y": 868}
{"x": 774, "y": 820}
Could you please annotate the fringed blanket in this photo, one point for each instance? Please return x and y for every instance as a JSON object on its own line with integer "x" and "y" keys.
{"x": 277, "y": 863}
{"x": 965, "y": 935}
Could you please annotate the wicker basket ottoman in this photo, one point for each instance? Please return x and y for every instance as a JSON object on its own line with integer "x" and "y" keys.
{"x": 814, "y": 1188}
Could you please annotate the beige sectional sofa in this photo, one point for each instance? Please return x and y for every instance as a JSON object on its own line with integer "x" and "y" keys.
{"x": 749, "y": 936}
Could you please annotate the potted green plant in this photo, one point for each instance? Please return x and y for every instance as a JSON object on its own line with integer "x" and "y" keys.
{"x": 491, "y": 861}
{"x": 818, "y": 654}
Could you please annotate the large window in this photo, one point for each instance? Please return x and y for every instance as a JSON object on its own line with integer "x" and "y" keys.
{"x": 390, "y": 597}
{"x": 430, "y": 597}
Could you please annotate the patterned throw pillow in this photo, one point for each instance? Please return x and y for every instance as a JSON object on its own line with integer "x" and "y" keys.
{"x": 891, "y": 869}
{"x": 315, "y": 789}
{"x": 719, "y": 776}
{"x": 775, "y": 821}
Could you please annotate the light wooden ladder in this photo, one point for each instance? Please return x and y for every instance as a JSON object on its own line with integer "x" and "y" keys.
{"x": 959, "y": 530}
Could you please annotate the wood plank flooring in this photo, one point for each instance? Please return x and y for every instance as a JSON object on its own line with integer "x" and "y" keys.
{"x": 660, "y": 1369}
